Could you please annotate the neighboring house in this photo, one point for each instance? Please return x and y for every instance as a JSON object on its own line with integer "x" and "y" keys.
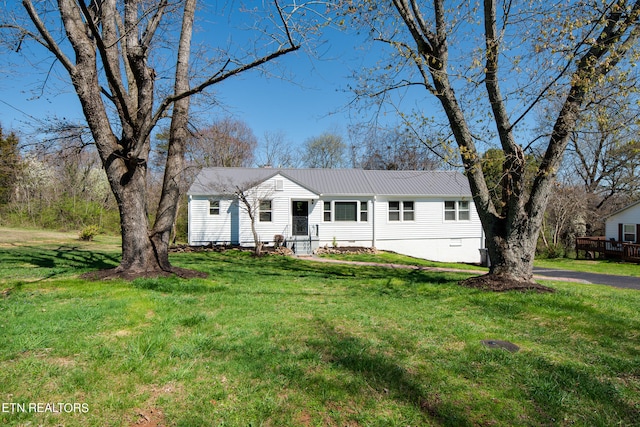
{"x": 426, "y": 214}
{"x": 624, "y": 225}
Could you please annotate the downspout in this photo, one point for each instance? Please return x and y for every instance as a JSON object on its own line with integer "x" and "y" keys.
{"x": 373, "y": 216}
{"x": 189, "y": 223}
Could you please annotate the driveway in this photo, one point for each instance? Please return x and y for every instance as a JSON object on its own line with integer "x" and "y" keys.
{"x": 626, "y": 282}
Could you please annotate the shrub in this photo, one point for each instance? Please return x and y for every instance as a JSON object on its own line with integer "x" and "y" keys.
{"x": 89, "y": 232}
{"x": 552, "y": 252}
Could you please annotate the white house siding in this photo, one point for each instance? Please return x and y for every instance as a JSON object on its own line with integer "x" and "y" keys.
{"x": 205, "y": 228}
{"x": 631, "y": 215}
{"x": 280, "y": 209}
{"x": 429, "y": 236}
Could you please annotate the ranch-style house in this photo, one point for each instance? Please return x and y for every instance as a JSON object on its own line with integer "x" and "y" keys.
{"x": 425, "y": 214}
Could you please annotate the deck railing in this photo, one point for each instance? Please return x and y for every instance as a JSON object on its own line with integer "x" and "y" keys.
{"x": 608, "y": 248}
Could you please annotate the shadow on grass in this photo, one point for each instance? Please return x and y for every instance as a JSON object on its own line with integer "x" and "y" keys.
{"x": 549, "y": 385}
{"x": 177, "y": 285}
{"x": 55, "y": 262}
{"x": 242, "y": 264}
{"x": 384, "y": 374}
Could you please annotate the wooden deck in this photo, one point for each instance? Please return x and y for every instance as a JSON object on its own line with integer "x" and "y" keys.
{"x": 601, "y": 247}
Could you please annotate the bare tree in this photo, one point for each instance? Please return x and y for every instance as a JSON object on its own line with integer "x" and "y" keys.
{"x": 519, "y": 46}
{"x": 394, "y": 149}
{"x": 604, "y": 151}
{"x": 564, "y": 220}
{"x": 112, "y": 52}
{"x": 325, "y": 151}
{"x": 276, "y": 151}
{"x": 227, "y": 143}
{"x": 256, "y": 201}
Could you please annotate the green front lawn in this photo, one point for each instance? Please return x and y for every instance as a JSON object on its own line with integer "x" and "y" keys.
{"x": 395, "y": 258}
{"x": 278, "y": 341}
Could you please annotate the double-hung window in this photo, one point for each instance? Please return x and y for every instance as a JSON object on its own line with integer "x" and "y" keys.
{"x": 408, "y": 211}
{"x": 327, "y": 211}
{"x": 463, "y": 210}
{"x": 457, "y": 210}
{"x": 214, "y": 207}
{"x": 402, "y": 211}
{"x": 364, "y": 211}
{"x": 629, "y": 233}
{"x": 265, "y": 211}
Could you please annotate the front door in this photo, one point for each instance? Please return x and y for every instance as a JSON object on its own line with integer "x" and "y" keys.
{"x": 300, "y": 217}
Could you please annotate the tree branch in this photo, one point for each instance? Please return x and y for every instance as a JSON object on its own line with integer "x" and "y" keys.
{"x": 112, "y": 72}
{"x": 47, "y": 40}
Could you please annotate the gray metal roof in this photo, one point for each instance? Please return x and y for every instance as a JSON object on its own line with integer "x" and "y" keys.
{"x": 337, "y": 182}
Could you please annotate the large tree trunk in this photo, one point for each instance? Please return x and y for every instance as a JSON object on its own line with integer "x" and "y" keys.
{"x": 138, "y": 255}
{"x": 512, "y": 249}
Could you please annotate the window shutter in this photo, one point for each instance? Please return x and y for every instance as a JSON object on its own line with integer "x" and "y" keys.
{"x": 638, "y": 233}
{"x": 619, "y": 232}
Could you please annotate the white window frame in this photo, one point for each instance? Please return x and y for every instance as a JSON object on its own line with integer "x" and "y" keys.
{"x": 406, "y": 212}
{"x": 457, "y": 210}
{"x": 214, "y": 207}
{"x": 394, "y": 211}
{"x": 625, "y": 233}
{"x": 402, "y": 212}
{"x": 329, "y": 210}
{"x": 326, "y": 211}
{"x": 466, "y": 210}
{"x": 264, "y": 211}
{"x": 363, "y": 214}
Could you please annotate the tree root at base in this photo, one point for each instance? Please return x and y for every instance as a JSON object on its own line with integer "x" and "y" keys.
{"x": 495, "y": 283}
{"x": 128, "y": 274}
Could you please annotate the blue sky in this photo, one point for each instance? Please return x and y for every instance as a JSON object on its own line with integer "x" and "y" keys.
{"x": 316, "y": 101}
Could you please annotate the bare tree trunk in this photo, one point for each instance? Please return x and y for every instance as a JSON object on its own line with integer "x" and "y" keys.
{"x": 256, "y": 238}
{"x": 178, "y": 137}
{"x": 252, "y": 208}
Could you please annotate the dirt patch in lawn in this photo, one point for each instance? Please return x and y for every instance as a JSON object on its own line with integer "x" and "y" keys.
{"x": 149, "y": 418}
{"x": 152, "y": 415}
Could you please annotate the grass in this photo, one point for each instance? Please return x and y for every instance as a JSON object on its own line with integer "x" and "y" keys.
{"x": 278, "y": 341}
{"x": 601, "y": 266}
{"x": 394, "y": 258}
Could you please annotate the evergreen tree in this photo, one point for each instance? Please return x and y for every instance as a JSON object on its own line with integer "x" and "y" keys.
{"x": 9, "y": 165}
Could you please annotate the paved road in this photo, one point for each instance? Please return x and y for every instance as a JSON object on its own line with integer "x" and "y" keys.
{"x": 626, "y": 282}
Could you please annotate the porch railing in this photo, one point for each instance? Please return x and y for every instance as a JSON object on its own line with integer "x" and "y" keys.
{"x": 603, "y": 247}
{"x": 303, "y": 244}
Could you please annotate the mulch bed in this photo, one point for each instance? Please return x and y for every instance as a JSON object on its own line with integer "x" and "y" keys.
{"x": 116, "y": 273}
{"x": 493, "y": 283}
